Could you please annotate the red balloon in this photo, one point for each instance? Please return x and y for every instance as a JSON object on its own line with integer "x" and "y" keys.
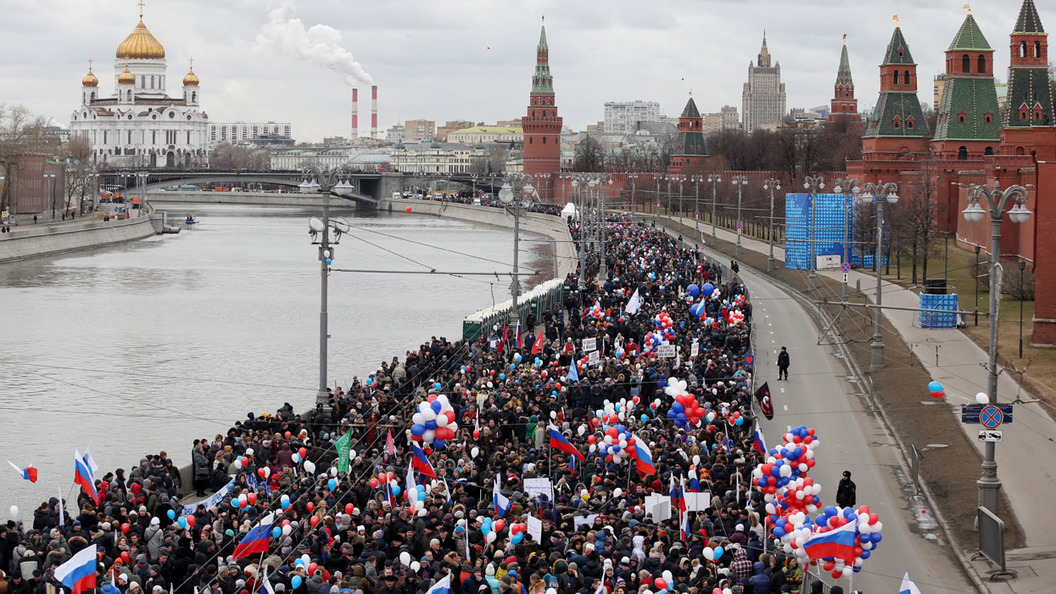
{"x": 450, "y": 416}
{"x": 260, "y": 472}
{"x": 191, "y": 521}
{"x": 591, "y": 439}
{"x": 125, "y": 557}
{"x": 288, "y": 435}
{"x": 312, "y": 567}
{"x": 310, "y": 506}
{"x": 314, "y": 521}
{"x": 476, "y": 434}
{"x": 373, "y": 483}
{"x": 660, "y": 583}
{"x": 408, "y": 209}
{"x": 125, "y": 527}
{"x": 498, "y": 525}
{"x": 252, "y": 498}
{"x": 349, "y": 508}
{"x": 303, "y": 452}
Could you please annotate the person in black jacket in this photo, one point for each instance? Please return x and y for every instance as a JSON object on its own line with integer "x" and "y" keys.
{"x": 782, "y": 364}
{"x": 846, "y": 491}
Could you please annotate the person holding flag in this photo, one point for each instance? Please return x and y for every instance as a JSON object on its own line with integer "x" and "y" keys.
{"x": 560, "y": 442}
{"x": 420, "y": 462}
{"x": 84, "y": 474}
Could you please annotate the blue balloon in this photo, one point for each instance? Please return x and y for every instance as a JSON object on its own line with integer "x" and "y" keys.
{"x": 430, "y": 424}
{"x": 284, "y": 503}
{"x": 934, "y": 387}
{"x": 677, "y": 407}
{"x": 329, "y": 261}
{"x": 296, "y": 581}
{"x": 877, "y": 537}
{"x": 182, "y": 522}
{"x": 234, "y": 503}
{"x": 395, "y": 489}
{"x": 502, "y": 376}
{"x": 437, "y": 386}
{"x": 276, "y": 532}
{"x": 517, "y": 538}
{"x": 513, "y": 366}
{"x": 693, "y": 290}
{"x": 332, "y": 483}
{"x": 172, "y": 514}
{"x": 644, "y": 418}
{"x": 439, "y": 444}
{"x": 417, "y": 430}
{"x": 719, "y": 551}
{"x": 708, "y": 289}
{"x": 435, "y": 405}
{"x": 739, "y": 421}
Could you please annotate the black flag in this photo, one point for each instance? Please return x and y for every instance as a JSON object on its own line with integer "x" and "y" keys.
{"x": 765, "y": 403}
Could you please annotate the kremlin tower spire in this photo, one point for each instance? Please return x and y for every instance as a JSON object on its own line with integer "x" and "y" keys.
{"x": 542, "y": 125}
{"x": 844, "y": 105}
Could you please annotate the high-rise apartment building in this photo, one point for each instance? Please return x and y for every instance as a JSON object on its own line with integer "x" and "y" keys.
{"x": 763, "y": 98}
{"x": 419, "y": 130}
{"x": 623, "y": 117}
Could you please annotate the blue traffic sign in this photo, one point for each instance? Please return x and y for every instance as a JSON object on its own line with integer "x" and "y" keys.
{"x": 973, "y": 414}
{"x": 846, "y": 267}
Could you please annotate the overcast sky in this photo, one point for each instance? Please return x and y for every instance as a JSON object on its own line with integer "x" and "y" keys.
{"x": 441, "y": 60}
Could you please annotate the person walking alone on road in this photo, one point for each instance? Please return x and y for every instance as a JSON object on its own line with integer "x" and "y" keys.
{"x": 782, "y": 365}
{"x": 846, "y": 491}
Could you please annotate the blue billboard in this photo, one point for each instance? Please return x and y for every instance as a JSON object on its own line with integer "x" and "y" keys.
{"x": 829, "y": 234}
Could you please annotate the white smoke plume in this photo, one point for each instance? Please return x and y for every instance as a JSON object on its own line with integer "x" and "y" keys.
{"x": 319, "y": 44}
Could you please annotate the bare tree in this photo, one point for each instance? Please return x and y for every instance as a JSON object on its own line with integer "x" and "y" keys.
{"x": 20, "y": 133}
{"x": 918, "y": 212}
{"x": 589, "y": 156}
{"x": 229, "y": 156}
{"x": 493, "y": 161}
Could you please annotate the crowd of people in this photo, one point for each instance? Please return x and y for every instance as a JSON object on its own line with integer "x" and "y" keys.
{"x": 350, "y": 533}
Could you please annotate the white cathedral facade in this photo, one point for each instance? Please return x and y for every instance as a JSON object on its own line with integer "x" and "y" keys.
{"x": 139, "y": 125}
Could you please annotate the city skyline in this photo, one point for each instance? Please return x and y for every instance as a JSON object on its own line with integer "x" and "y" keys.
{"x": 440, "y": 61}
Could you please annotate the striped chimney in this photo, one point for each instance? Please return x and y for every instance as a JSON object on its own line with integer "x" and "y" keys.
{"x": 374, "y": 111}
{"x": 355, "y": 113}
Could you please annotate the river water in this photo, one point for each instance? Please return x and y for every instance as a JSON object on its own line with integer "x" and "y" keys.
{"x": 147, "y": 346}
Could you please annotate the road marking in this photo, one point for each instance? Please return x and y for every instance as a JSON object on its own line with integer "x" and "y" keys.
{"x": 785, "y": 406}
{"x": 782, "y": 390}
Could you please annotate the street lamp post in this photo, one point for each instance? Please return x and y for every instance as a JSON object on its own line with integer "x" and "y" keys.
{"x": 996, "y": 201}
{"x": 771, "y": 183}
{"x": 696, "y": 179}
{"x": 975, "y": 278}
{"x": 812, "y": 183}
{"x": 881, "y": 192}
{"x": 142, "y": 176}
{"x": 713, "y": 180}
{"x": 1022, "y": 295}
{"x": 846, "y": 187}
{"x": 632, "y": 177}
{"x": 508, "y": 196}
{"x": 946, "y": 259}
{"x": 578, "y": 195}
{"x": 740, "y": 181}
{"x": 658, "y": 178}
{"x": 324, "y": 180}
{"x": 681, "y": 182}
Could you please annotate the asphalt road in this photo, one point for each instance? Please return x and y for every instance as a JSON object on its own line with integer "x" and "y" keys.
{"x": 820, "y": 393}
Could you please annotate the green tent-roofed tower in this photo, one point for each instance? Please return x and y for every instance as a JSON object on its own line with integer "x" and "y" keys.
{"x": 1029, "y": 99}
{"x": 690, "y": 151}
{"x": 843, "y": 105}
{"x": 967, "y": 125}
{"x": 897, "y": 110}
{"x": 542, "y": 125}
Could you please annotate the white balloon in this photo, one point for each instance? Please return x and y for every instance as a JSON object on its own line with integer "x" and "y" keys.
{"x": 474, "y": 452}
{"x": 441, "y": 420}
{"x": 491, "y": 537}
{"x": 415, "y": 566}
{"x": 287, "y": 529}
{"x": 982, "y": 398}
{"x": 249, "y": 451}
{"x": 668, "y": 577}
{"x": 405, "y": 558}
{"x": 582, "y": 429}
{"x": 14, "y": 511}
{"x": 418, "y": 418}
{"x": 709, "y": 553}
{"x": 309, "y": 466}
{"x": 237, "y": 464}
{"x": 617, "y": 492}
{"x": 553, "y": 415}
{"x": 333, "y": 471}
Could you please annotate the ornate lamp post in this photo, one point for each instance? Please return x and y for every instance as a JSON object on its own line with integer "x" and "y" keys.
{"x": 846, "y": 187}
{"x": 812, "y": 183}
{"x": 996, "y": 200}
{"x": 771, "y": 183}
{"x": 521, "y": 187}
{"x": 324, "y": 180}
{"x": 696, "y": 179}
{"x": 50, "y": 176}
{"x": 632, "y": 177}
{"x": 878, "y": 192}
{"x": 740, "y": 181}
{"x": 713, "y": 180}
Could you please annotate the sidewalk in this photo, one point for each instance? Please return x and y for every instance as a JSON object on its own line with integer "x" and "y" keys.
{"x": 950, "y": 357}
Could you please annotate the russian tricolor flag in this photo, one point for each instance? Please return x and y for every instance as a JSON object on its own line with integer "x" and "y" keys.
{"x": 559, "y": 442}
{"x": 28, "y": 473}
{"x": 78, "y": 574}
{"x": 643, "y": 458}
{"x": 85, "y": 474}
{"x": 678, "y": 501}
{"x": 758, "y": 443}
{"x": 257, "y": 539}
{"x": 499, "y": 501}
{"x": 421, "y": 463}
{"x": 836, "y": 544}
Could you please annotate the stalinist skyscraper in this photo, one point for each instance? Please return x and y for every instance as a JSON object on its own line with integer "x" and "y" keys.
{"x": 763, "y": 99}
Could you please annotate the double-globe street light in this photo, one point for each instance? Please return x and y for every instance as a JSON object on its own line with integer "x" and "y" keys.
{"x": 813, "y": 183}
{"x": 324, "y": 180}
{"x": 879, "y": 193}
{"x": 740, "y": 181}
{"x": 516, "y": 189}
{"x": 714, "y": 180}
{"x": 772, "y": 184}
{"x": 996, "y": 200}
{"x": 846, "y": 187}
{"x": 696, "y": 179}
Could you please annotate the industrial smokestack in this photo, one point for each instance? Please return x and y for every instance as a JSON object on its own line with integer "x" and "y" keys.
{"x": 355, "y": 113}
{"x": 374, "y": 111}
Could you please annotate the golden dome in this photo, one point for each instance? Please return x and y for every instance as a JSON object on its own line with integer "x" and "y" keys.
{"x": 140, "y": 44}
{"x": 89, "y": 79}
{"x": 126, "y": 78}
{"x": 191, "y": 80}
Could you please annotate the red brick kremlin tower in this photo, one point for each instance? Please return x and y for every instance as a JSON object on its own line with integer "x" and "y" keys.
{"x": 542, "y": 125}
{"x": 844, "y": 106}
